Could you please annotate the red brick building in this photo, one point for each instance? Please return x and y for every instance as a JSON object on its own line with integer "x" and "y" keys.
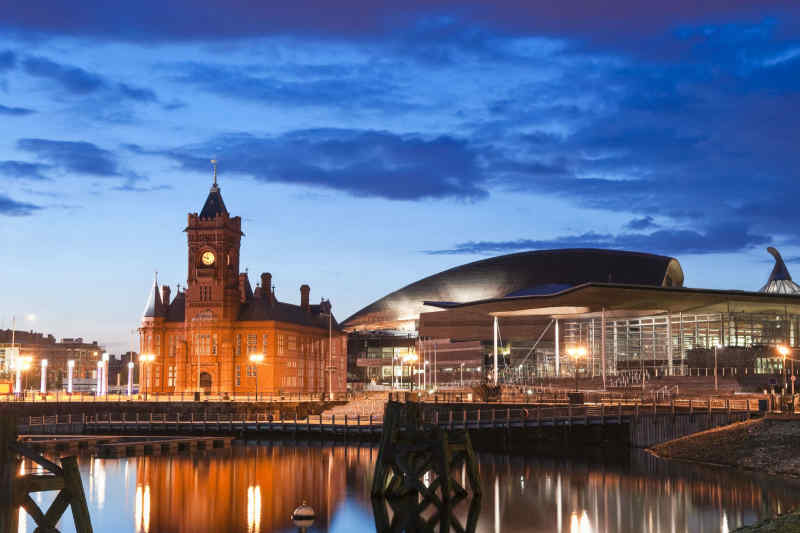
{"x": 202, "y": 339}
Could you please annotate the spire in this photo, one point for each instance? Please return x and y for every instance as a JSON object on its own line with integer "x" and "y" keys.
{"x": 780, "y": 281}
{"x": 214, "y": 205}
{"x": 153, "y": 307}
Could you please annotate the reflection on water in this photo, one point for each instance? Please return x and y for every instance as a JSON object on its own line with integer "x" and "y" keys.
{"x": 254, "y": 488}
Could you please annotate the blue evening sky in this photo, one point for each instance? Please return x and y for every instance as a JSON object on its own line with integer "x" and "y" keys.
{"x": 368, "y": 144}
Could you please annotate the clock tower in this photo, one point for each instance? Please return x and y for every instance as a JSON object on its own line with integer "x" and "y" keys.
{"x": 214, "y": 238}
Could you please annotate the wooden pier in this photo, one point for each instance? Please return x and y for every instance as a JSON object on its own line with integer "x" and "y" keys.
{"x": 123, "y": 446}
{"x": 647, "y": 422}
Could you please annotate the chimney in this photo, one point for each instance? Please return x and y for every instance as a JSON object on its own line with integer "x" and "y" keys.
{"x": 165, "y": 295}
{"x": 266, "y": 285}
{"x": 305, "y": 290}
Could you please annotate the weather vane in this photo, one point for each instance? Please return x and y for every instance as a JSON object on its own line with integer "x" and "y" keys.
{"x": 214, "y": 163}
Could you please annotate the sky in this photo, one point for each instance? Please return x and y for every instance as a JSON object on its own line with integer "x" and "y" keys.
{"x": 369, "y": 144}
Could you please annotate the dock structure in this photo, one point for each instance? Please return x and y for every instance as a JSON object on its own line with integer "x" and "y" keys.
{"x": 642, "y": 423}
{"x": 413, "y": 473}
{"x": 16, "y": 489}
{"x": 123, "y": 446}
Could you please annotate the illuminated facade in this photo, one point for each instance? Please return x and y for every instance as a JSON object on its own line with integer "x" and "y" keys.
{"x": 220, "y": 336}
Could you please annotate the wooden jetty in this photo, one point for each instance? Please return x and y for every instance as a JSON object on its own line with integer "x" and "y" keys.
{"x": 123, "y": 446}
{"x": 15, "y": 489}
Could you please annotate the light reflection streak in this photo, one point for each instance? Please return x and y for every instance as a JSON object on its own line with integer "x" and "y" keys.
{"x": 141, "y": 510}
{"x": 22, "y": 526}
{"x": 496, "y": 504}
{"x": 100, "y": 485}
{"x": 253, "y": 509}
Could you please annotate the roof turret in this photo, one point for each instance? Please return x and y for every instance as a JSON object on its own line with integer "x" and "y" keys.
{"x": 154, "y": 306}
{"x": 780, "y": 281}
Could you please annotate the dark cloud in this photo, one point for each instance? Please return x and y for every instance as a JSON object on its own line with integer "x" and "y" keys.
{"x": 639, "y": 224}
{"x": 73, "y": 79}
{"x": 23, "y": 170}
{"x": 78, "y": 157}
{"x": 215, "y": 19}
{"x": 8, "y": 60}
{"x": 14, "y": 208}
{"x": 363, "y": 163}
{"x": 719, "y": 239}
{"x": 343, "y": 87}
{"x": 80, "y": 82}
{"x": 15, "y": 111}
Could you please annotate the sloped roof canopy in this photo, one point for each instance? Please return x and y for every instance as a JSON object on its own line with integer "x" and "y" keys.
{"x": 780, "y": 281}
{"x": 590, "y": 299}
{"x": 537, "y": 272}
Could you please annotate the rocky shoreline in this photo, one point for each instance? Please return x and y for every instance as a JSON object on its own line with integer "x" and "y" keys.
{"x": 768, "y": 445}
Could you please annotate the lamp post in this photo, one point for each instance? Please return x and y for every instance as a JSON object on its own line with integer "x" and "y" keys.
{"x": 784, "y": 351}
{"x": 716, "y": 382}
{"x": 70, "y": 370}
{"x": 44, "y": 376}
{"x": 462, "y": 375}
{"x": 410, "y": 359}
{"x": 22, "y": 364}
{"x": 256, "y": 358}
{"x": 144, "y": 359}
{"x": 130, "y": 378}
{"x": 576, "y": 352}
{"x": 425, "y": 377}
{"x": 105, "y": 374}
{"x": 99, "y": 391}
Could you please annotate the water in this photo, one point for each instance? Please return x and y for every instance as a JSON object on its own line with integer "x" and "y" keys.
{"x": 254, "y": 488}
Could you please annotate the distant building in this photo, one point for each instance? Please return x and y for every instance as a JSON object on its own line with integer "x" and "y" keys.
{"x": 202, "y": 339}
{"x": 39, "y": 346}
{"x": 382, "y": 330}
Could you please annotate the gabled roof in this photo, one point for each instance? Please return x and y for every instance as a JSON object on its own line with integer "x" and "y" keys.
{"x": 153, "y": 307}
{"x": 255, "y": 309}
{"x": 176, "y": 312}
{"x": 214, "y": 205}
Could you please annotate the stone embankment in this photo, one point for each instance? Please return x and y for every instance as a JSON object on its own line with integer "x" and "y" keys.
{"x": 768, "y": 445}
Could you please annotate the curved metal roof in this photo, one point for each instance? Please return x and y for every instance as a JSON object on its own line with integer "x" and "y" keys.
{"x": 520, "y": 273}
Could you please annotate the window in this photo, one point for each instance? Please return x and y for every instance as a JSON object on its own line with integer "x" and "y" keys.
{"x": 205, "y": 294}
{"x": 264, "y": 343}
{"x": 281, "y": 344}
{"x": 157, "y": 377}
{"x": 237, "y": 349}
{"x": 251, "y": 343}
{"x": 173, "y": 341}
{"x": 204, "y": 344}
{"x": 292, "y": 343}
{"x": 214, "y": 344}
{"x": 171, "y": 376}
{"x": 238, "y": 375}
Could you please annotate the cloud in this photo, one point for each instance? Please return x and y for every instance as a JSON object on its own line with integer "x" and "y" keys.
{"x": 186, "y": 20}
{"x": 15, "y": 111}
{"x": 638, "y": 224}
{"x": 343, "y": 86}
{"x": 73, "y": 79}
{"x": 23, "y": 170}
{"x": 364, "y": 163}
{"x": 80, "y": 82}
{"x": 8, "y": 60}
{"x": 14, "y": 208}
{"x": 719, "y": 239}
{"x": 78, "y": 157}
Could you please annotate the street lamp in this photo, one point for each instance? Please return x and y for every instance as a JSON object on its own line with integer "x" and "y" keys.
{"x": 462, "y": 375}
{"x": 716, "y": 383}
{"x": 256, "y": 358}
{"x": 784, "y": 351}
{"x": 44, "y": 376}
{"x": 99, "y": 391}
{"x": 105, "y": 374}
{"x": 410, "y": 359}
{"x": 576, "y": 352}
{"x": 130, "y": 378}
{"x": 22, "y": 364}
{"x": 426, "y": 379}
{"x": 144, "y": 359}
{"x": 70, "y": 369}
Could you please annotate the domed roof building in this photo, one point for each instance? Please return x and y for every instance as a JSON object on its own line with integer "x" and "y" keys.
{"x": 519, "y": 274}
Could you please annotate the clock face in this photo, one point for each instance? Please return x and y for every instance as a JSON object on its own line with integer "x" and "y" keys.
{"x": 208, "y": 258}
